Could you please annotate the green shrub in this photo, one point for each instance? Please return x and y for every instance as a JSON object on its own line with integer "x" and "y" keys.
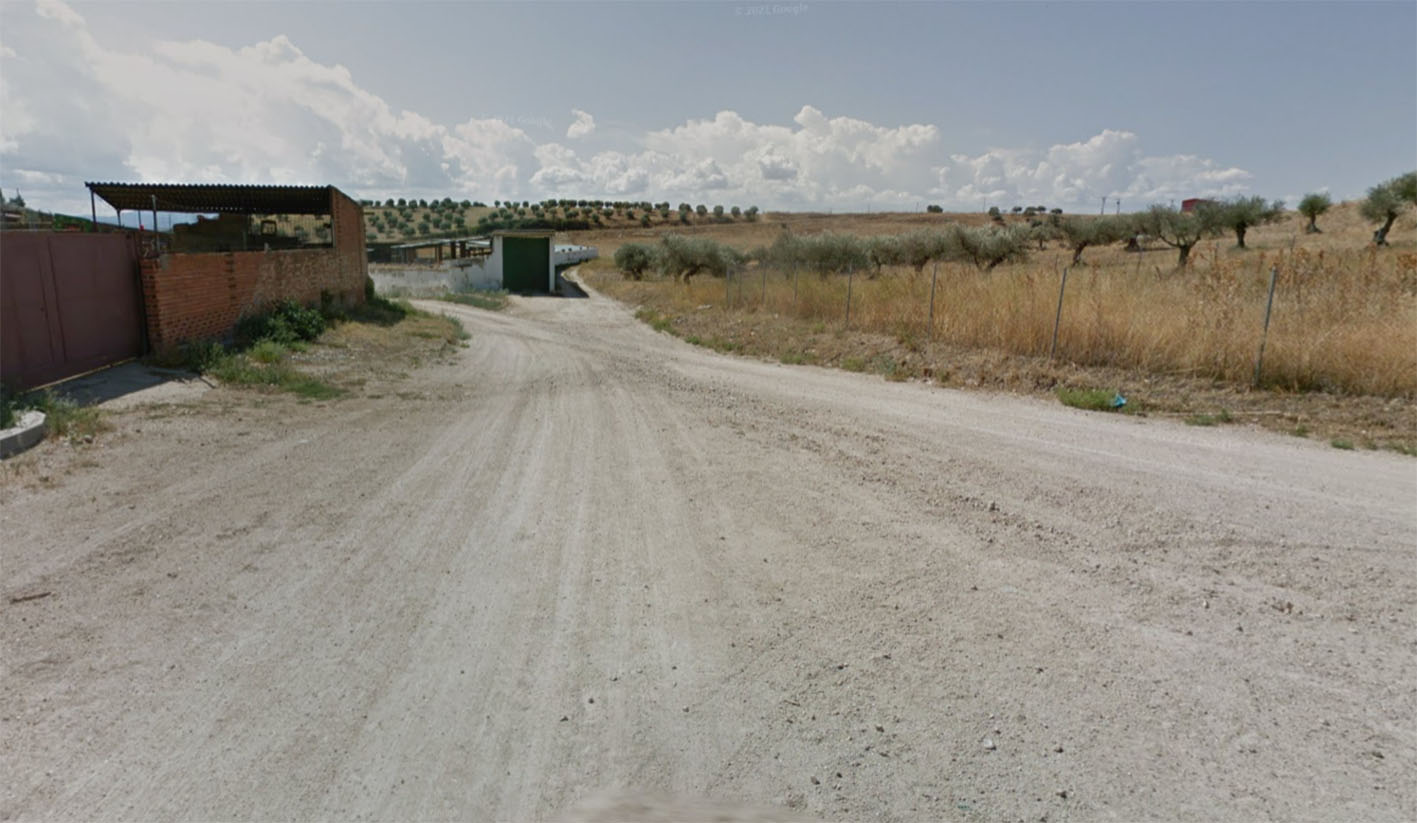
{"x": 267, "y": 351}
{"x": 287, "y": 323}
{"x": 1090, "y": 399}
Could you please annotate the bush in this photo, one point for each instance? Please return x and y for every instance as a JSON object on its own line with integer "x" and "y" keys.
{"x": 288, "y": 323}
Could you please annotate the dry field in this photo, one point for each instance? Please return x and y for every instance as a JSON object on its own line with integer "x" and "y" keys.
{"x": 1340, "y": 361}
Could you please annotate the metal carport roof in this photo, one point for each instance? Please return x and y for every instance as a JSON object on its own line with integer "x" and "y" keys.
{"x": 214, "y": 198}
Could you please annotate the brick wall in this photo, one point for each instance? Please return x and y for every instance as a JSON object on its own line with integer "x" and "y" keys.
{"x": 202, "y": 296}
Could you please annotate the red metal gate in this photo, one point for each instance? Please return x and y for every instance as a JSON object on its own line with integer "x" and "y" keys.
{"x": 69, "y": 303}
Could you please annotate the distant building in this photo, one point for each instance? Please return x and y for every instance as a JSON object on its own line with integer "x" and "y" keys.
{"x": 1189, "y": 204}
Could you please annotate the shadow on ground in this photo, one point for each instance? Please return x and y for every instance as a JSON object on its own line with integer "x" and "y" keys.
{"x": 130, "y": 383}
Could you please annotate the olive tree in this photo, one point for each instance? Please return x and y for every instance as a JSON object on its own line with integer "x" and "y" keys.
{"x": 918, "y": 248}
{"x": 634, "y": 259}
{"x": 832, "y": 253}
{"x": 883, "y": 250}
{"x": 1240, "y": 214}
{"x": 1177, "y": 229}
{"x": 683, "y": 257}
{"x": 1081, "y": 232}
{"x": 1387, "y": 201}
{"x": 1312, "y": 206}
{"x": 988, "y": 247}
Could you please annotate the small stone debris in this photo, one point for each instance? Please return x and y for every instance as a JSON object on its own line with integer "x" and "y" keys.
{"x": 993, "y": 507}
{"x": 1058, "y": 749}
{"x": 1063, "y": 793}
{"x": 989, "y": 744}
{"x": 564, "y": 718}
{"x": 880, "y": 728}
{"x": 590, "y": 700}
{"x": 816, "y": 782}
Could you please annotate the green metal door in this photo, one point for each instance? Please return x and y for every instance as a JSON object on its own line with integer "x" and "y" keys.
{"x": 525, "y": 263}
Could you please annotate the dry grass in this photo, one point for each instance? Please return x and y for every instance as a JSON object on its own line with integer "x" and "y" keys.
{"x": 1344, "y": 320}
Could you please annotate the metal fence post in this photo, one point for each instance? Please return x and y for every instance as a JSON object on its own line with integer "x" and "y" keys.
{"x": 1059, "y": 315}
{"x": 850, "y": 270}
{"x": 934, "y": 273}
{"x": 1264, "y": 335}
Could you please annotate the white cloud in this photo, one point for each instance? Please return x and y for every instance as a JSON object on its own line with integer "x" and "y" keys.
{"x": 77, "y": 108}
{"x": 1110, "y": 164}
{"x": 583, "y": 124}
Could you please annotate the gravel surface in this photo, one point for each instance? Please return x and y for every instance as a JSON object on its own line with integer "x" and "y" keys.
{"x": 590, "y": 572}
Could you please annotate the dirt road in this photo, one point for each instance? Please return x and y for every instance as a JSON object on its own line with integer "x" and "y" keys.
{"x": 588, "y": 559}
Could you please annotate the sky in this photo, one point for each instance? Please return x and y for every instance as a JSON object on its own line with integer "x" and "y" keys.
{"x": 784, "y": 105}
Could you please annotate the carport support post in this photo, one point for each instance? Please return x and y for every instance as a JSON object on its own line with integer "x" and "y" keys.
{"x": 154, "y": 222}
{"x": 1268, "y": 307}
{"x": 1053, "y": 347}
{"x": 93, "y": 211}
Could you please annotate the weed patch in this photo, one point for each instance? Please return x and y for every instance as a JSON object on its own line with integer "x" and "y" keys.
{"x": 1210, "y": 419}
{"x": 66, "y": 418}
{"x": 1089, "y": 399}
{"x": 655, "y": 320}
{"x": 244, "y": 370}
{"x": 491, "y": 300}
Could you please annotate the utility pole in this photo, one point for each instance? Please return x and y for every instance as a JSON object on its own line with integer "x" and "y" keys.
{"x": 1103, "y": 210}
{"x": 1119, "y": 205}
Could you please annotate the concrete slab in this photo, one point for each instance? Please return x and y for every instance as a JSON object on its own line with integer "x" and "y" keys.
{"x": 26, "y": 432}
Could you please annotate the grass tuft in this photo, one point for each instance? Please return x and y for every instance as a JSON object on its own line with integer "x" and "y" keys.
{"x": 489, "y": 299}
{"x": 1210, "y": 419}
{"x": 65, "y": 417}
{"x": 1089, "y": 399}
{"x": 655, "y": 320}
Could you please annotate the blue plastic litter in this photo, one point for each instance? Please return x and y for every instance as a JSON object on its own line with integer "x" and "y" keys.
{"x": 1119, "y": 401}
